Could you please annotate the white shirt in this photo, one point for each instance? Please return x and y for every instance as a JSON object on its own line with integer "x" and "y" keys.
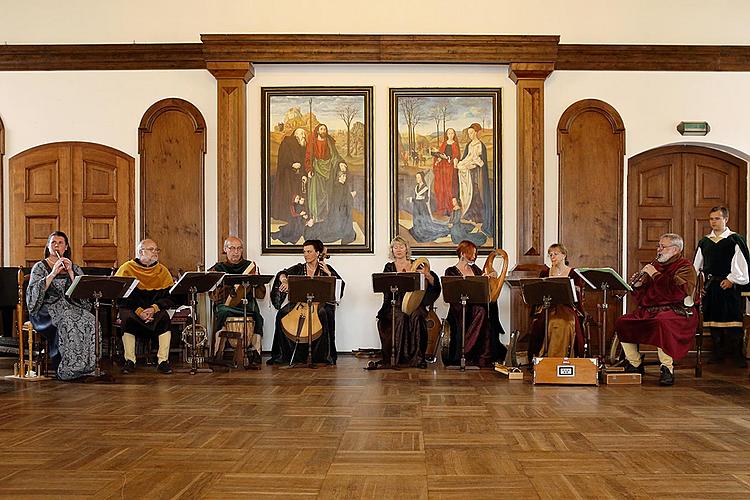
{"x": 738, "y": 273}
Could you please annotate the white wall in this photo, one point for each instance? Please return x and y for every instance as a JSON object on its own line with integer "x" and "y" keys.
{"x": 577, "y": 21}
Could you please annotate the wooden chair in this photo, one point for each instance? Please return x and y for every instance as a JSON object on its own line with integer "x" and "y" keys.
{"x": 30, "y": 342}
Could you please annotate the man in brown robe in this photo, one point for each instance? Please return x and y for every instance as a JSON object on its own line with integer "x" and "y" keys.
{"x": 662, "y": 318}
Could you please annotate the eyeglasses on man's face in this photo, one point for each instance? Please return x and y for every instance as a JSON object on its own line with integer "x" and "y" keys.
{"x": 153, "y": 249}
{"x": 662, "y": 247}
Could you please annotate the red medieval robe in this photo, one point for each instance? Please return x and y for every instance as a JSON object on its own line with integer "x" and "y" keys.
{"x": 661, "y": 319}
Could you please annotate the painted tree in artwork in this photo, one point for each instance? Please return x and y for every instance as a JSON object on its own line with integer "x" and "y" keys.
{"x": 347, "y": 114}
{"x": 411, "y": 109}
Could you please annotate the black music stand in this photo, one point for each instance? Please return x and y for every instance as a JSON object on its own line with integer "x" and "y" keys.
{"x": 393, "y": 283}
{"x": 465, "y": 290}
{"x": 607, "y": 280}
{"x": 192, "y": 283}
{"x": 96, "y": 288}
{"x": 246, "y": 281}
{"x": 547, "y": 293}
{"x": 310, "y": 289}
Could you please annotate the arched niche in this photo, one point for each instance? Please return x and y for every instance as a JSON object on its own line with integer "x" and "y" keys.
{"x": 172, "y": 147}
{"x": 591, "y": 150}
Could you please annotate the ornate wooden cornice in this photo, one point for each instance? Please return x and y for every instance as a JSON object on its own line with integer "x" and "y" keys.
{"x": 333, "y": 48}
{"x": 136, "y": 56}
{"x": 463, "y": 49}
{"x": 653, "y": 57}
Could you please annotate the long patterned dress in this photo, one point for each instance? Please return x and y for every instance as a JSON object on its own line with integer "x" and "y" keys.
{"x": 71, "y": 318}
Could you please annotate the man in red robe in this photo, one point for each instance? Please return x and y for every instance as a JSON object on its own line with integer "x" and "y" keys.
{"x": 662, "y": 319}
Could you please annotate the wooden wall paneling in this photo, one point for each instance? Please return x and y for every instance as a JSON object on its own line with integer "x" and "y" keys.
{"x": 172, "y": 146}
{"x": 593, "y": 57}
{"x": 529, "y": 80}
{"x": 374, "y": 48}
{"x": 93, "y": 57}
{"x": 103, "y": 205}
{"x": 231, "y": 80}
{"x": 40, "y": 200}
{"x": 2, "y": 171}
{"x": 591, "y": 150}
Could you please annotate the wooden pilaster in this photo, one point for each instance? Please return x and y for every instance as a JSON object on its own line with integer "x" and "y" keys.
{"x": 231, "y": 164}
{"x": 529, "y": 79}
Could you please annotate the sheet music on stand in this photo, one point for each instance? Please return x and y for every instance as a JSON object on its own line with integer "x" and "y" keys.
{"x": 594, "y": 277}
{"x": 551, "y": 279}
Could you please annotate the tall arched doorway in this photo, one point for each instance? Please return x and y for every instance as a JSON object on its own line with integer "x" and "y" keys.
{"x": 672, "y": 188}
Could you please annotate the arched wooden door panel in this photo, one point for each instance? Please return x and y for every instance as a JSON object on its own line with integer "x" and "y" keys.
{"x": 591, "y": 148}
{"x": 172, "y": 146}
{"x": 83, "y": 189}
{"x": 672, "y": 189}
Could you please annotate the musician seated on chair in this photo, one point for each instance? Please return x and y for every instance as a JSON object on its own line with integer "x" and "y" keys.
{"x": 483, "y": 329}
{"x": 228, "y": 299}
{"x": 411, "y": 328}
{"x": 67, "y": 324}
{"x": 564, "y": 331}
{"x": 144, "y": 313}
{"x": 662, "y": 318}
{"x": 286, "y": 339}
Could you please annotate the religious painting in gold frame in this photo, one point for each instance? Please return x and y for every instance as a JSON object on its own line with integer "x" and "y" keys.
{"x": 445, "y": 168}
{"x": 317, "y": 168}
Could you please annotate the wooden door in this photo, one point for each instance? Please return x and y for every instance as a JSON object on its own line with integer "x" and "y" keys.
{"x": 672, "y": 189}
{"x": 172, "y": 147}
{"x": 85, "y": 190}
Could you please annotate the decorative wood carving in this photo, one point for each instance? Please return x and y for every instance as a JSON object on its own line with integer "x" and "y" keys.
{"x": 322, "y": 48}
{"x": 2, "y": 153}
{"x": 172, "y": 146}
{"x": 231, "y": 79}
{"x": 591, "y": 147}
{"x": 86, "y": 190}
{"x": 529, "y": 79}
{"x": 653, "y": 57}
{"x": 672, "y": 188}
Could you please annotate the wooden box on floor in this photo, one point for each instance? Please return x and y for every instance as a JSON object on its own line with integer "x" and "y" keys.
{"x": 622, "y": 378}
{"x": 566, "y": 371}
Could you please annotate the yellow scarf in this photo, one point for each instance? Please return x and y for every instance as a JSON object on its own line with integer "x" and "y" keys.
{"x": 149, "y": 278}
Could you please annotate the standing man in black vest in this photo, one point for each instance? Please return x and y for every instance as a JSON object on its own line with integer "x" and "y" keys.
{"x": 722, "y": 255}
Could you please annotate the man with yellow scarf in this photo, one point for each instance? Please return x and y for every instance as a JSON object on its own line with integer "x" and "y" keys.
{"x": 144, "y": 313}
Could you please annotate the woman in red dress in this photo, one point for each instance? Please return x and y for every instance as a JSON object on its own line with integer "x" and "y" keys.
{"x": 444, "y": 168}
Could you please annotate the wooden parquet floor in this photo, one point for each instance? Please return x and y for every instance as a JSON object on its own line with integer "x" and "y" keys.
{"x": 342, "y": 432}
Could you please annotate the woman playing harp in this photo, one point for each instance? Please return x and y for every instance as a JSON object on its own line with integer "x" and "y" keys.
{"x": 483, "y": 329}
{"x": 411, "y": 329}
{"x": 324, "y": 348}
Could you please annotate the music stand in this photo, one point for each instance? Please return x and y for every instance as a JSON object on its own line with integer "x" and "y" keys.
{"x": 607, "y": 280}
{"x": 547, "y": 293}
{"x": 393, "y": 283}
{"x": 192, "y": 283}
{"x": 245, "y": 281}
{"x": 310, "y": 289}
{"x": 97, "y": 288}
{"x": 465, "y": 290}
